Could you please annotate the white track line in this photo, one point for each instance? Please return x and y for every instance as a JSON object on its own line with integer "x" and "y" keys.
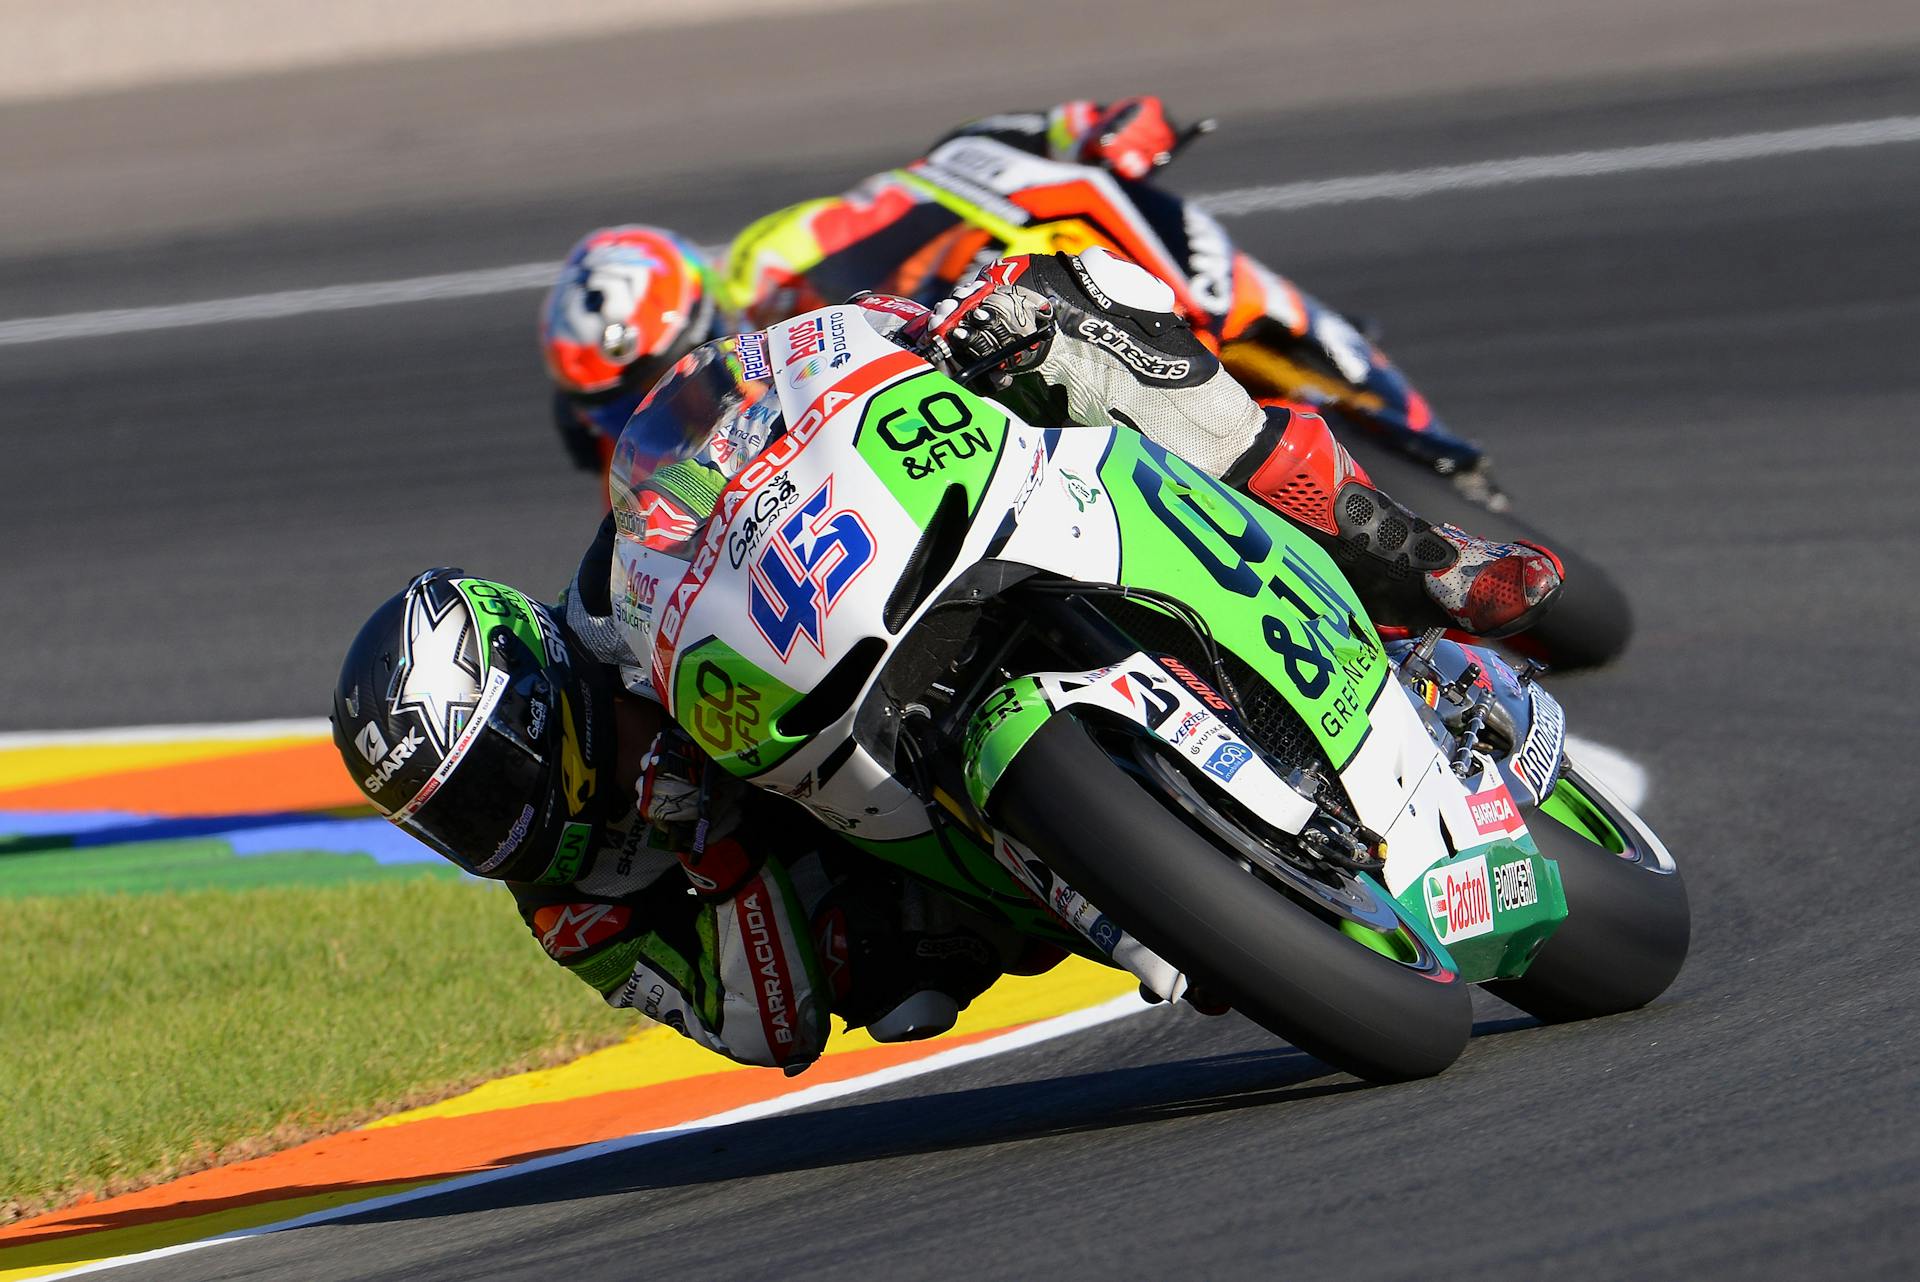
{"x": 1402, "y": 185}
{"x": 293, "y": 302}
{"x": 1614, "y": 768}
{"x": 1019, "y": 1039}
{"x": 1411, "y": 183}
{"x": 238, "y": 731}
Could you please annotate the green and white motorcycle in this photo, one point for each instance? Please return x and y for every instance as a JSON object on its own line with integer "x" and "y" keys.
{"x": 1071, "y": 679}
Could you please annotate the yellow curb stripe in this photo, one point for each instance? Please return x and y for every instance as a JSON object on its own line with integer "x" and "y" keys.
{"x": 38, "y": 1259}
{"x": 658, "y": 1055}
{"x": 61, "y": 763}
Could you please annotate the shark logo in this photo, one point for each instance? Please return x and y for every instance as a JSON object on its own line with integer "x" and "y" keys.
{"x": 440, "y": 682}
{"x": 372, "y": 744}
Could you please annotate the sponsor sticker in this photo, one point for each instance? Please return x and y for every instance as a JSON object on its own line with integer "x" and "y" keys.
{"x": 515, "y": 835}
{"x": 568, "y": 857}
{"x": 768, "y": 505}
{"x": 753, "y": 912}
{"x": 391, "y": 763}
{"x": 1032, "y": 481}
{"x": 805, "y": 338}
{"x": 1226, "y": 761}
{"x": 1143, "y": 360}
{"x": 1083, "y": 493}
{"x": 752, "y": 349}
{"x": 657, "y": 521}
{"x": 1494, "y": 812}
{"x": 1195, "y": 686}
{"x": 1514, "y": 886}
{"x": 726, "y": 715}
{"x": 1538, "y": 761}
{"x": 371, "y": 743}
{"x": 940, "y": 429}
{"x": 1188, "y": 724}
{"x": 568, "y": 929}
{"x": 1458, "y": 900}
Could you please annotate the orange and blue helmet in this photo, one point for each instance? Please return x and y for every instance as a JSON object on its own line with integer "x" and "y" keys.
{"x": 630, "y": 301}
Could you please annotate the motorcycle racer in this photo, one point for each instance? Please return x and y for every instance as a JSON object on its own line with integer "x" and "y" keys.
{"x": 629, "y": 302}
{"x": 523, "y": 743}
{"x": 476, "y": 719}
{"x": 1087, "y": 339}
{"x": 884, "y": 236}
{"x": 1093, "y": 338}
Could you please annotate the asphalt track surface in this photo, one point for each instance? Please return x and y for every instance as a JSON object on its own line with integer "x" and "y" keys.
{"x": 1703, "y": 379}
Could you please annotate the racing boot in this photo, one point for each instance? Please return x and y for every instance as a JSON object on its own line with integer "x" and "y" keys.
{"x": 900, "y": 960}
{"x": 1408, "y": 571}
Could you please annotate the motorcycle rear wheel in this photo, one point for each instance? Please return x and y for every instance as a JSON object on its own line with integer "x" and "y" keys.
{"x": 1592, "y": 621}
{"x": 1628, "y": 925}
{"x": 1090, "y": 816}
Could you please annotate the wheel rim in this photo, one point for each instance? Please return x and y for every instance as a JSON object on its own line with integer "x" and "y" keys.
{"x": 1359, "y": 909}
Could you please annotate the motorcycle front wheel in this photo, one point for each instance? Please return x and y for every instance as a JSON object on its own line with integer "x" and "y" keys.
{"x": 1378, "y": 1004}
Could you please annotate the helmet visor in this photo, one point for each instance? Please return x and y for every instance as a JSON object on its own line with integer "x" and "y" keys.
{"x": 480, "y": 820}
{"x": 718, "y": 403}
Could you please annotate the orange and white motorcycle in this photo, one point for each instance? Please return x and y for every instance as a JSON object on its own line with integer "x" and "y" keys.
{"x": 918, "y": 230}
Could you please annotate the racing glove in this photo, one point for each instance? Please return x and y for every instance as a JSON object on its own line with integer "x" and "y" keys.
{"x": 1132, "y": 137}
{"x": 695, "y": 808}
{"x": 989, "y": 332}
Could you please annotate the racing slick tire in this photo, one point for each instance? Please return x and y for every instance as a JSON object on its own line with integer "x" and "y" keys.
{"x": 1591, "y": 622}
{"x": 1093, "y": 819}
{"x": 1628, "y": 925}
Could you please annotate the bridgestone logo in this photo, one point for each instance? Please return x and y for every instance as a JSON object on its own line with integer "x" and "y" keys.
{"x": 1538, "y": 761}
{"x": 391, "y": 766}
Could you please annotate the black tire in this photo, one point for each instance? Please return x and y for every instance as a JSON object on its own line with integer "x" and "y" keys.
{"x": 1626, "y": 934}
{"x": 1094, "y": 822}
{"x": 1592, "y": 621}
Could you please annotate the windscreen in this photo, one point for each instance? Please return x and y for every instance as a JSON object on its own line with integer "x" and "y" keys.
{"x": 716, "y": 405}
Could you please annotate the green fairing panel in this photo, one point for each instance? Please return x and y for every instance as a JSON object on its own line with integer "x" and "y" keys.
{"x": 1001, "y": 726}
{"x": 1516, "y": 872}
{"x": 972, "y": 872}
{"x": 926, "y": 434}
{"x": 1267, "y": 591}
{"x": 1566, "y": 805}
{"x": 732, "y": 708}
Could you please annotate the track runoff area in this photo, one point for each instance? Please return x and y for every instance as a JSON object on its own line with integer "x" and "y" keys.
{"x": 62, "y": 794}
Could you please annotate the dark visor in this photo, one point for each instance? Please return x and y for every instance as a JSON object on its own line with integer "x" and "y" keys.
{"x": 497, "y": 813}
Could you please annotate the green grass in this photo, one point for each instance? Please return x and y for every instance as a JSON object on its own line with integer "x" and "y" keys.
{"x": 143, "y": 1035}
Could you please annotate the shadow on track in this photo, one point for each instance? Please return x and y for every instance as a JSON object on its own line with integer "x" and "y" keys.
{"x": 976, "y": 1117}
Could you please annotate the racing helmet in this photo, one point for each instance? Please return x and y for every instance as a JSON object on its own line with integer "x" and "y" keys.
{"x": 629, "y": 302}
{"x": 466, "y": 718}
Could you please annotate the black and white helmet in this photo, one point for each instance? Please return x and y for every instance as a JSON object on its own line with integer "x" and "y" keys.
{"x": 465, "y": 718}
